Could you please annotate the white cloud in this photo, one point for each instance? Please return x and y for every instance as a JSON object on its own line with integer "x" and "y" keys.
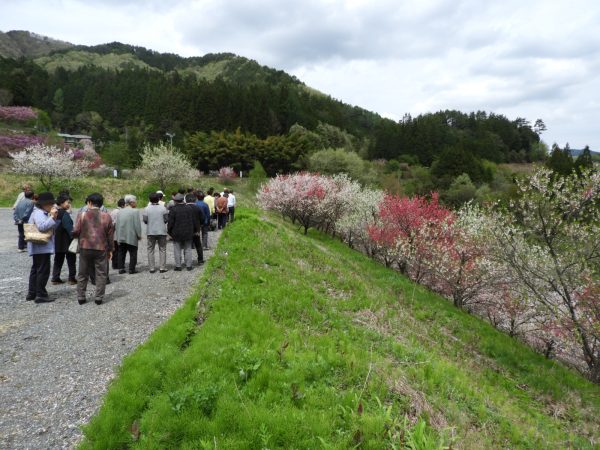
{"x": 529, "y": 59}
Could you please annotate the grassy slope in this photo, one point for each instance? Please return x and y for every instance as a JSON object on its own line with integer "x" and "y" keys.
{"x": 299, "y": 342}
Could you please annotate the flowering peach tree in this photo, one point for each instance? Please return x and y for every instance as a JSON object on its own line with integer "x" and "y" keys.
{"x": 47, "y": 163}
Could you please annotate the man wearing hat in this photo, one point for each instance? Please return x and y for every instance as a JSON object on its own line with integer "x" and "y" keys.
{"x": 44, "y": 216}
{"x": 182, "y": 226}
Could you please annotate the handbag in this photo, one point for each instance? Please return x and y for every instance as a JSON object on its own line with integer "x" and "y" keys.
{"x": 74, "y": 246}
{"x": 35, "y": 236}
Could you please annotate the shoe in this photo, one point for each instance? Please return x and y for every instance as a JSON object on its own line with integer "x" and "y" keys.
{"x": 189, "y": 268}
{"x": 177, "y": 269}
{"x": 206, "y": 248}
{"x": 21, "y": 250}
{"x": 152, "y": 271}
{"x": 43, "y": 300}
{"x": 108, "y": 281}
{"x": 131, "y": 272}
{"x": 59, "y": 281}
{"x": 163, "y": 270}
{"x": 200, "y": 262}
{"x": 122, "y": 271}
{"x": 82, "y": 301}
{"x": 98, "y": 302}
{"x": 30, "y": 297}
{"x": 72, "y": 282}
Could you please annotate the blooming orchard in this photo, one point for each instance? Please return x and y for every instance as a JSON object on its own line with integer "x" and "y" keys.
{"x": 531, "y": 269}
{"x": 17, "y": 113}
{"x": 47, "y": 162}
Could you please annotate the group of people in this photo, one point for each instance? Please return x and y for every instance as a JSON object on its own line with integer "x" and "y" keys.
{"x": 106, "y": 238}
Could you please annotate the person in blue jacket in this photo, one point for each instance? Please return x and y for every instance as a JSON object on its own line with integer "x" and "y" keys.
{"x": 44, "y": 216}
{"x": 206, "y": 224}
{"x": 21, "y": 214}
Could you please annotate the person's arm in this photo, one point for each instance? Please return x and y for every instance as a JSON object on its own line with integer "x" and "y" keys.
{"x": 47, "y": 223}
{"x": 67, "y": 223}
{"x": 145, "y": 216}
{"x": 171, "y": 221}
{"x": 77, "y": 227}
{"x": 138, "y": 226}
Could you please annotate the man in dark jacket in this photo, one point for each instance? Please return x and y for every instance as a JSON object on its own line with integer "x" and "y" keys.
{"x": 63, "y": 235}
{"x": 190, "y": 201}
{"x": 181, "y": 227}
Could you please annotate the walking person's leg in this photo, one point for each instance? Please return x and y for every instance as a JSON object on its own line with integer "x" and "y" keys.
{"x": 205, "y": 236}
{"x": 187, "y": 251}
{"x": 32, "y": 279}
{"x": 162, "y": 253}
{"x": 71, "y": 261}
{"x": 133, "y": 251}
{"x": 152, "y": 241}
{"x": 198, "y": 246}
{"x": 100, "y": 267}
{"x": 122, "y": 253}
{"x": 115, "y": 256}
{"x": 231, "y": 213}
{"x": 83, "y": 275}
{"x": 177, "y": 246}
{"x": 21, "y": 242}
{"x": 59, "y": 259}
{"x": 43, "y": 274}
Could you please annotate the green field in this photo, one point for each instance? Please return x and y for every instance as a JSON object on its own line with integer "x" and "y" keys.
{"x": 293, "y": 341}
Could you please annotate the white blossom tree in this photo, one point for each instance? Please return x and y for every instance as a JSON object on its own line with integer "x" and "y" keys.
{"x": 165, "y": 165}
{"x": 550, "y": 239}
{"x": 47, "y": 163}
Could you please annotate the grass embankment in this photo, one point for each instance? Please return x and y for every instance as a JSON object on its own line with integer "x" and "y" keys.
{"x": 300, "y": 342}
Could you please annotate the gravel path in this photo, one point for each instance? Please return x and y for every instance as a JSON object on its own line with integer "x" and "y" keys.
{"x": 57, "y": 359}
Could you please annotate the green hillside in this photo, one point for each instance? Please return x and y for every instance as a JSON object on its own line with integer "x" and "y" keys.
{"x": 24, "y": 44}
{"x": 295, "y": 341}
{"x": 75, "y": 59}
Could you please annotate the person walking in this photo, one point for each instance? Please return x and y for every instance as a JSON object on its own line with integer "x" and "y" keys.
{"x": 182, "y": 226}
{"x": 95, "y": 231}
{"x": 206, "y": 224}
{"x": 63, "y": 236}
{"x": 190, "y": 201}
{"x": 44, "y": 216}
{"x": 155, "y": 217}
{"x": 221, "y": 210}
{"x": 114, "y": 214}
{"x": 21, "y": 214}
{"x": 129, "y": 233}
{"x": 230, "y": 204}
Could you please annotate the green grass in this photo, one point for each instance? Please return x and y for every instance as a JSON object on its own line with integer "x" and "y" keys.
{"x": 111, "y": 188}
{"x": 295, "y": 341}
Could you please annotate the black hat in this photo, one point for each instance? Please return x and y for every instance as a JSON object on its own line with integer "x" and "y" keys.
{"x": 45, "y": 198}
{"x": 179, "y": 197}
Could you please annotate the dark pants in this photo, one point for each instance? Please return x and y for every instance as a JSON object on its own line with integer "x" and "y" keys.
{"x": 115, "y": 256}
{"x": 196, "y": 242}
{"x": 205, "y": 236}
{"x": 38, "y": 277}
{"x": 231, "y": 213}
{"x": 124, "y": 248}
{"x": 21, "y": 244}
{"x": 221, "y": 220}
{"x": 59, "y": 259}
{"x": 92, "y": 261}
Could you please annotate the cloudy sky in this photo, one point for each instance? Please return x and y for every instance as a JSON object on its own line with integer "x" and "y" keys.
{"x": 522, "y": 58}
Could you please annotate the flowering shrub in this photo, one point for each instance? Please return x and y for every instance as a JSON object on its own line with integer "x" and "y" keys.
{"x": 164, "y": 165}
{"x": 17, "y": 113}
{"x": 87, "y": 155}
{"x": 47, "y": 163}
{"x": 531, "y": 270}
{"x": 227, "y": 174}
{"x": 11, "y": 142}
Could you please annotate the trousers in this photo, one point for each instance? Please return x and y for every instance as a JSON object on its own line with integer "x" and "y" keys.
{"x": 21, "y": 243}
{"x": 92, "y": 261}
{"x": 39, "y": 274}
{"x": 124, "y": 248}
{"x": 196, "y": 241}
{"x": 186, "y": 246}
{"x": 162, "y": 251}
{"x": 59, "y": 259}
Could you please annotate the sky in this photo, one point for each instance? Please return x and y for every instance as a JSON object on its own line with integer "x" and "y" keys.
{"x": 521, "y": 58}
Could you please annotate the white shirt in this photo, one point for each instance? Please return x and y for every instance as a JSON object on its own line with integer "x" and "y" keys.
{"x": 231, "y": 201}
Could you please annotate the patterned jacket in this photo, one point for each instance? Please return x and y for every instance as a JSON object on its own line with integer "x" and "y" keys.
{"x": 95, "y": 230}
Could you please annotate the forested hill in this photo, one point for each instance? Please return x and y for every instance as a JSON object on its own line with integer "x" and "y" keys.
{"x": 115, "y": 91}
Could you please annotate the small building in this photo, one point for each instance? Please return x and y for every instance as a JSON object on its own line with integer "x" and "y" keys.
{"x": 73, "y": 139}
